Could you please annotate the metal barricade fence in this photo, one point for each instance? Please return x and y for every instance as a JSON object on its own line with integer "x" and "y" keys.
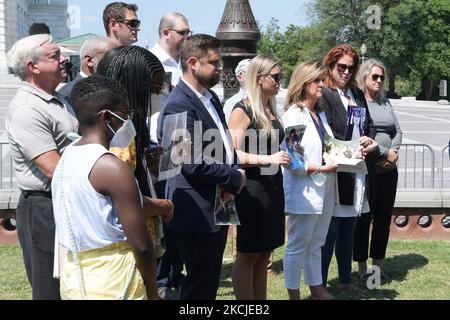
{"x": 445, "y": 171}
{"x": 7, "y": 179}
{"x": 416, "y": 167}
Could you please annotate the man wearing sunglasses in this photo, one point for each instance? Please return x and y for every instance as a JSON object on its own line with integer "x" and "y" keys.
{"x": 173, "y": 28}
{"x": 121, "y": 23}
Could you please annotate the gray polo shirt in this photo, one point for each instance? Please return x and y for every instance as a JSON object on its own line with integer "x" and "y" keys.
{"x": 37, "y": 123}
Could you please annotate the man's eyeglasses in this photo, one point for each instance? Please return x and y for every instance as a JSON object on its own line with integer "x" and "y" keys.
{"x": 341, "y": 67}
{"x": 375, "y": 77}
{"x": 132, "y": 23}
{"x": 183, "y": 33}
{"x": 276, "y": 76}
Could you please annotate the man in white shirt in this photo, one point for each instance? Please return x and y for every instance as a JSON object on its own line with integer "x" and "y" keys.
{"x": 173, "y": 28}
{"x": 241, "y": 76}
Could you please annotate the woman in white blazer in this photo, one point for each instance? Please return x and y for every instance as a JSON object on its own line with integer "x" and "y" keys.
{"x": 310, "y": 189}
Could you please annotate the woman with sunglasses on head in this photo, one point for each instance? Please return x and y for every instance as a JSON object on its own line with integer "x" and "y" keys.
{"x": 309, "y": 204}
{"x": 257, "y": 134}
{"x": 383, "y": 174}
{"x": 347, "y": 114}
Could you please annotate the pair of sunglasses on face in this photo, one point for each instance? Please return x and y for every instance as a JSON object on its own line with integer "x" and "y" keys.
{"x": 341, "y": 67}
{"x": 183, "y": 33}
{"x": 375, "y": 77}
{"x": 132, "y": 23}
{"x": 275, "y": 76}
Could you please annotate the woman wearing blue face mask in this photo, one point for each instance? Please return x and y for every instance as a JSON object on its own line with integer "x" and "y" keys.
{"x": 106, "y": 248}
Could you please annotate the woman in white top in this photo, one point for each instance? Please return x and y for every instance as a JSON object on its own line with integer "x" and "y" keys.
{"x": 309, "y": 202}
{"x": 98, "y": 208}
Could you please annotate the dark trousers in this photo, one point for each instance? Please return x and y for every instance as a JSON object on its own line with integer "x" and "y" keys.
{"x": 202, "y": 254}
{"x": 171, "y": 264}
{"x": 340, "y": 235}
{"x": 382, "y": 192}
{"x": 36, "y": 230}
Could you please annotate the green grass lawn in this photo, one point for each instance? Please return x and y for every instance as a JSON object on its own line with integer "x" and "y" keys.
{"x": 418, "y": 270}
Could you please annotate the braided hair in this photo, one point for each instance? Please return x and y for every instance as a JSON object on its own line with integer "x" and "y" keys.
{"x": 135, "y": 68}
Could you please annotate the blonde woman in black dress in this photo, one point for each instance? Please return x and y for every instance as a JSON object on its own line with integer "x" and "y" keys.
{"x": 260, "y": 205}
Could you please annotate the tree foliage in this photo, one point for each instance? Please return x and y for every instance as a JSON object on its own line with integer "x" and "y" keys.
{"x": 413, "y": 39}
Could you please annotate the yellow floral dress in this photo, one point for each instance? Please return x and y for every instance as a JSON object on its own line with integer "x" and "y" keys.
{"x": 128, "y": 155}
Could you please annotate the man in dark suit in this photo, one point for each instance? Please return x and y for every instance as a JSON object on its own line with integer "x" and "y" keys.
{"x": 201, "y": 243}
{"x": 91, "y": 52}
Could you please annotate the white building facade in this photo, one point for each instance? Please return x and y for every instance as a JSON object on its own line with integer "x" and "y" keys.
{"x": 16, "y": 17}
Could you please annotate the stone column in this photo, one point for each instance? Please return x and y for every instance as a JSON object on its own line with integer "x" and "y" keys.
{"x": 240, "y": 35}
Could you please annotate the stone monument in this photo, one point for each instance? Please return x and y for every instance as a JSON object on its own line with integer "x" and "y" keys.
{"x": 240, "y": 35}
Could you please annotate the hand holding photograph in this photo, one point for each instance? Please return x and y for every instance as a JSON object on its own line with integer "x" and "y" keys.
{"x": 346, "y": 154}
{"x": 294, "y": 136}
{"x": 225, "y": 212}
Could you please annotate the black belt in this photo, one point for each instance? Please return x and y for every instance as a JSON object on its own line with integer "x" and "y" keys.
{"x": 35, "y": 193}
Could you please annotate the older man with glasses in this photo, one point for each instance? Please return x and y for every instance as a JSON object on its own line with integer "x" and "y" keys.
{"x": 37, "y": 126}
{"x": 121, "y": 23}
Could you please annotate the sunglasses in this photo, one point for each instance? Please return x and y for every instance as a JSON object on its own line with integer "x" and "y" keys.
{"x": 276, "y": 76}
{"x": 375, "y": 77}
{"x": 134, "y": 23}
{"x": 341, "y": 67}
{"x": 183, "y": 33}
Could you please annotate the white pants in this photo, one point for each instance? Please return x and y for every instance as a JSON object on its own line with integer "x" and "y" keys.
{"x": 306, "y": 235}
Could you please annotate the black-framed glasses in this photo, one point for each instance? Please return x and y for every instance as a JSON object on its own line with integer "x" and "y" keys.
{"x": 277, "y": 77}
{"x": 132, "y": 23}
{"x": 183, "y": 33}
{"x": 375, "y": 77}
{"x": 341, "y": 67}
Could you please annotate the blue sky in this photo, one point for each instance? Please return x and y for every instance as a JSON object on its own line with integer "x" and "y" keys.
{"x": 203, "y": 15}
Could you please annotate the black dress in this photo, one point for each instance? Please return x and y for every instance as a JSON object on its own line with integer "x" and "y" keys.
{"x": 260, "y": 205}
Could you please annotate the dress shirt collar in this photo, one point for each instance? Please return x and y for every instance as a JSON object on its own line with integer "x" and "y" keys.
{"x": 204, "y": 98}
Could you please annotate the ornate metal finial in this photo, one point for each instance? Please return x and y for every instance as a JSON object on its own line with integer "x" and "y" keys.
{"x": 240, "y": 35}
